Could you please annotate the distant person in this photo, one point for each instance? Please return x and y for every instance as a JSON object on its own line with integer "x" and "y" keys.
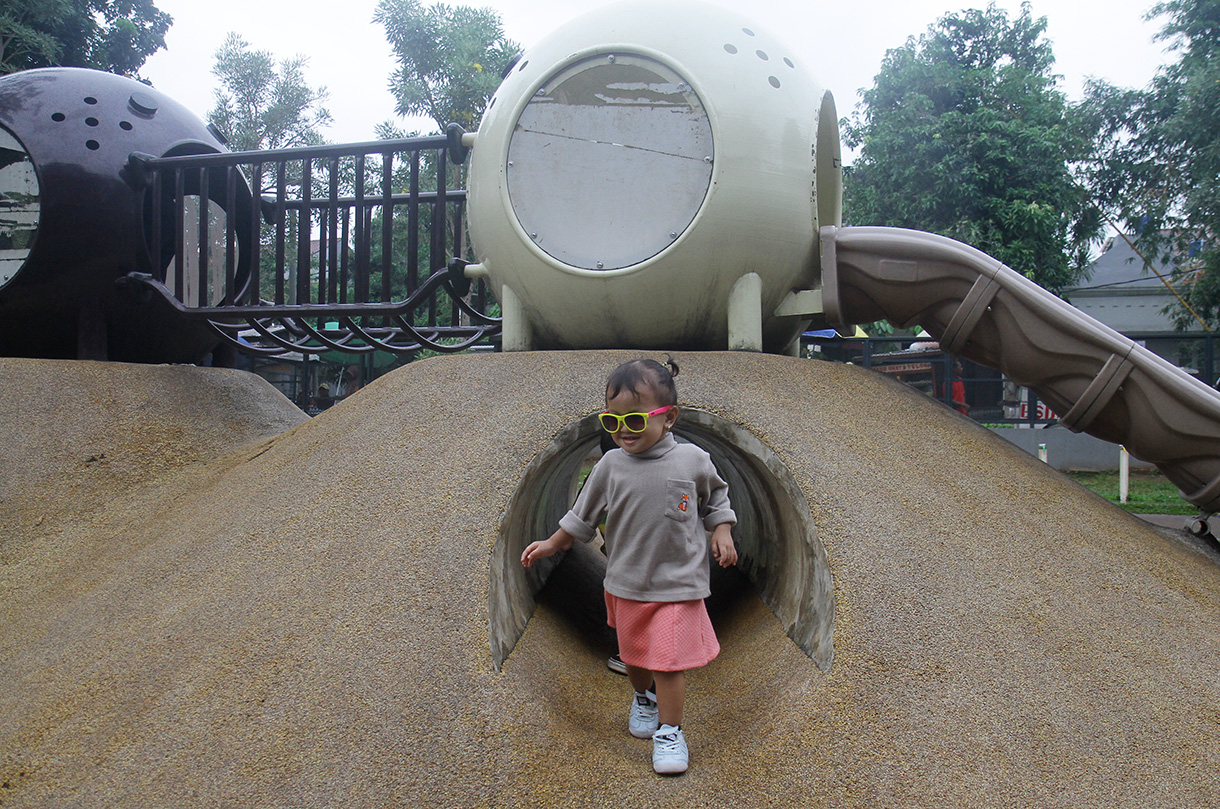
{"x": 659, "y": 498}
{"x": 351, "y": 380}
{"x": 959, "y": 389}
{"x": 324, "y": 397}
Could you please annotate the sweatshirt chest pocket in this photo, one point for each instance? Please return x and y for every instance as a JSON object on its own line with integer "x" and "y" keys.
{"x": 680, "y": 500}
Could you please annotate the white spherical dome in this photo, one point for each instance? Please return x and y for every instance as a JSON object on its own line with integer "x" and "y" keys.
{"x": 641, "y": 159}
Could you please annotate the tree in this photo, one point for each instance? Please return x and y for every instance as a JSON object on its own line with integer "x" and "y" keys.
{"x": 965, "y": 134}
{"x": 1157, "y": 169}
{"x": 260, "y": 107}
{"x": 451, "y": 59}
{"x": 117, "y": 36}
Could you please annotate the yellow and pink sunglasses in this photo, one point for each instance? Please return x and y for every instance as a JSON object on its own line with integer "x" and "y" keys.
{"x": 634, "y": 422}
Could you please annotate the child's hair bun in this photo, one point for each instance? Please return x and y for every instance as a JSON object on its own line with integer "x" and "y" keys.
{"x": 671, "y": 364}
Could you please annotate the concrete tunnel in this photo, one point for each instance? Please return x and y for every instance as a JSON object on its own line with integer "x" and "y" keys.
{"x": 781, "y": 555}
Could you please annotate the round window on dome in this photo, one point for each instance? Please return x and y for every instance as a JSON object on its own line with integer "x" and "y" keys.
{"x": 19, "y": 206}
{"x": 610, "y": 162}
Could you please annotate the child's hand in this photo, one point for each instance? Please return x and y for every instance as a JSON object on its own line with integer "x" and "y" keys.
{"x": 723, "y": 549}
{"x": 535, "y": 551}
{"x": 561, "y": 540}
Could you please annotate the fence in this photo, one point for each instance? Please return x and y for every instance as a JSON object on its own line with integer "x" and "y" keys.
{"x": 983, "y": 393}
{"x": 317, "y": 248}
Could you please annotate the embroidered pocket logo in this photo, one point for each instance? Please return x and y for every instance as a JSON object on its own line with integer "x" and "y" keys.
{"x": 683, "y": 502}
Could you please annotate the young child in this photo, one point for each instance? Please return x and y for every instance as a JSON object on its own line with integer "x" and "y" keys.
{"x": 659, "y": 498}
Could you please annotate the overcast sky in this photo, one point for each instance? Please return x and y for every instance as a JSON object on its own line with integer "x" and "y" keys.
{"x": 843, "y": 41}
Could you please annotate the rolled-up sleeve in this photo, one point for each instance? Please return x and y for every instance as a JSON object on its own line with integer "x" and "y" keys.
{"x": 717, "y": 508}
{"x": 590, "y": 507}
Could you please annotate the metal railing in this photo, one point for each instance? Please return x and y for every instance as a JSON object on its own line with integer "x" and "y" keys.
{"x": 313, "y": 249}
{"x": 988, "y": 397}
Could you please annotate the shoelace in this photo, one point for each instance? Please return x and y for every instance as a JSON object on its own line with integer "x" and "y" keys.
{"x": 667, "y": 744}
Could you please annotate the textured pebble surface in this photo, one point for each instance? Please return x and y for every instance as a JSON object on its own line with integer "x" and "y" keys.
{"x": 206, "y": 600}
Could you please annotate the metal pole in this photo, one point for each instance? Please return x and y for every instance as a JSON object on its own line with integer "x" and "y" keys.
{"x": 1124, "y": 473}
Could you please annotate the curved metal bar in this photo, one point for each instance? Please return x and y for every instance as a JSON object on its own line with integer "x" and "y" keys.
{"x": 373, "y": 341}
{"x": 377, "y": 342}
{"x": 461, "y": 303}
{"x": 330, "y": 344}
{"x": 261, "y": 351}
{"x": 257, "y": 323}
{"x": 442, "y": 347}
{"x": 309, "y": 339}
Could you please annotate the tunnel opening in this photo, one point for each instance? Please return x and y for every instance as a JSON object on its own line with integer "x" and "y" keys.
{"x": 780, "y": 555}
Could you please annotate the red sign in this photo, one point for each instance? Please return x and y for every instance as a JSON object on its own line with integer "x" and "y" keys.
{"x": 1044, "y": 412}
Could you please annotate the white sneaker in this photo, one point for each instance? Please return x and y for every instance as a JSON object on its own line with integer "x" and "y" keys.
{"x": 643, "y": 719}
{"x": 669, "y": 753}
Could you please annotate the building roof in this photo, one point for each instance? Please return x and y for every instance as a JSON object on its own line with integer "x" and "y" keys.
{"x": 1120, "y": 267}
{"x": 1123, "y": 293}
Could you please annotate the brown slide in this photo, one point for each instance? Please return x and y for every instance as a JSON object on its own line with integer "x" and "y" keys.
{"x": 1103, "y": 383}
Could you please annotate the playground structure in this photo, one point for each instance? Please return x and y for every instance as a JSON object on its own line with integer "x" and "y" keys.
{"x": 212, "y": 599}
{"x": 131, "y": 233}
{"x": 617, "y": 198}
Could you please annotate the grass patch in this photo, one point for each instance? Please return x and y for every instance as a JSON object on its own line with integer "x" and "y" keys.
{"x": 1149, "y": 492}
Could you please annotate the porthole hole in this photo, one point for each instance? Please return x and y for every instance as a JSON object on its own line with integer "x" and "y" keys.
{"x": 773, "y": 81}
{"x": 20, "y": 190}
{"x": 730, "y": 48}
{"x": 747, "y": 32}
{"x": 789, "y": 62}
{"x": 90, "y": 100}
{"x": 91, "y": 122}
{"x": 92, "y": 145}
{"x": 125, "y": 126}
{"x": 58, "y": 117}
{"x": 762, "y": 55}
{"x": 781, "y": 558}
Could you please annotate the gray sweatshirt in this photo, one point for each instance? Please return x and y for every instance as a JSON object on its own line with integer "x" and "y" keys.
{"x": 659, "y": 505}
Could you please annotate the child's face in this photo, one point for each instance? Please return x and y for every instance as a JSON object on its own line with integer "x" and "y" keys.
{"x": 646, "y": 401}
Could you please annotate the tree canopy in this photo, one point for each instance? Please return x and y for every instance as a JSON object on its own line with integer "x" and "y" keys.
{"x": 450, "y": 59}
{"x": 1157, "y": 166}
{"x": 117, "y": 36}
{"x": 260, "y": 105}
{"x": 964, "y": 133}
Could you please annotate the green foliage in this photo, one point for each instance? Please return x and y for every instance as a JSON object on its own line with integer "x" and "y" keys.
{"x": 1157, "y": 169}
{"x": 965, "y": 134}
{"x": 262, "y": 106}
{"x": 450, "y": 59}
{"x": 117, "y": 36}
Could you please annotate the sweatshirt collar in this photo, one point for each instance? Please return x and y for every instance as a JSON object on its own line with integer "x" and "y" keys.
{"x": 664, "y": 445}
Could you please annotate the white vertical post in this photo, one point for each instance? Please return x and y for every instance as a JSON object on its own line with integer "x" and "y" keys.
{"x": 1042, "y": 453}
{"x": 516, "y": 333}
{"x": 745, "y": 314}
{"x": 1124, "y": 473}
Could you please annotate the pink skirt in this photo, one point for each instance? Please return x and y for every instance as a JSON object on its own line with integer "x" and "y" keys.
{"x": 662, "y": 635}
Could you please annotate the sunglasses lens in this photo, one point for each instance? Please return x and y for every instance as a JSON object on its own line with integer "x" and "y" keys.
{"x": 609, "y": 422}
{"x": 635, "y": 422}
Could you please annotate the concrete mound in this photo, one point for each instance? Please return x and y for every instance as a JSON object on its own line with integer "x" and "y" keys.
{"x": 82, "y": 437}
{"x": 306, "y": 620}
